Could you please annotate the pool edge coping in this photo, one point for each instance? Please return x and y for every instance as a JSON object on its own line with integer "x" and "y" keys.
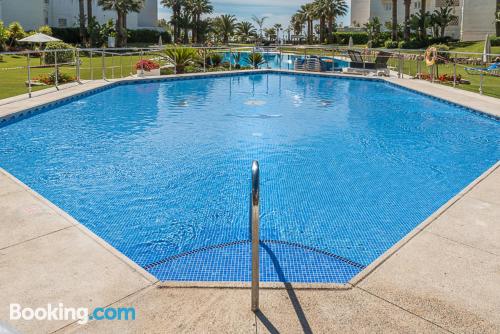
{"x": 358, "y": 278}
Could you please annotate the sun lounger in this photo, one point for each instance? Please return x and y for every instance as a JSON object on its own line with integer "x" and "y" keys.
{"x": 493, "y": 69}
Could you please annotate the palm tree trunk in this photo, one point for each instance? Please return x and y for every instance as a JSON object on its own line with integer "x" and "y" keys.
{"x": 321, "y": 29}
{"x": 330, "y": 30}
{"x": 89, "y": 19}
{"x": 118, "y": 28}
{"x": 423, "y": 32}
{"x": 407, "y": 20}
{"x": 124, "y": 29}
{"x": 394, "y": 20}
{"x": 81, "y": 19}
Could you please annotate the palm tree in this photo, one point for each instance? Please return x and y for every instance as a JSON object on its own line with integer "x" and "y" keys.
{"x": 225, "y": 25}
{"x": 81, "y": 20}
{"x": 181, "y": 57}
{"x": 90, "y": 17}
{"x": 333, "y": 9}
{"x": 176, "y": 6}
{"x": 259, "y": 21}
{"x": 394, "y": 20}
{"x": 278, "y": 27}
{"x": 245, "y": 30}
{"x": 319, "y": 13}
{"x": 308, "y": 12}
{"x": 423, "y": 14}
{"x": 297, "y": 22}
{"x": 407, "y": 20}
{"x": 122, "y": 8}
{"x": 198, "y": 8}
{"x": 443, "y": 17}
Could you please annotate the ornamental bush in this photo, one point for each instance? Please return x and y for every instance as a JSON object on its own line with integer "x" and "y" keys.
{"x": 62, "y": 56}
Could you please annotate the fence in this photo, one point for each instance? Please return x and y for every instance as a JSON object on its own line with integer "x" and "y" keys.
{"x": 29, "y": 71}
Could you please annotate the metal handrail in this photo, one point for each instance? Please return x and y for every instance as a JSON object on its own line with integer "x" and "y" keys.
{"x": 254, "y": 221}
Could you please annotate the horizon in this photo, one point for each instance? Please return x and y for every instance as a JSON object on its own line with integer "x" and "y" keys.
{"x": 276, "y": 11}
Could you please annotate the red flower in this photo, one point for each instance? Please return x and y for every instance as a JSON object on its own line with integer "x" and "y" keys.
{"x": 147, "y": 65}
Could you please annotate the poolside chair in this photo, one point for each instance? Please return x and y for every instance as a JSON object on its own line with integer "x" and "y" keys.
{"x": 357, "y": 60}
{"x": 493, "y": 69}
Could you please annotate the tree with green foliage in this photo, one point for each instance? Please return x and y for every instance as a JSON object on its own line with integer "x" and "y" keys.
{"x": 442, "y": 17}
{"x": 122, "y": 8}
{"x": 406, "y": 35}
{"x": 176, "y": 7}
{"x": 373, "y": 27}
{"x": 225, "y": 26}
{"x": 197, "y": 8}
{"x": 308, "y": 14}
{"x": 180, "y": 57}
{"x": 16, "y": 32}
{"x": 259, "y": 21}
{"x": 4, "y": 36}
{"x": 394, "y": 30}
{"x": 45, "y": 30}
{"x": 245, "y": 30}
{"x": 81, "y": 21}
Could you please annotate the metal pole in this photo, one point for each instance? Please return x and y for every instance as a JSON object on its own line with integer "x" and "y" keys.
{"x": 142, "y": 64}
{"x": 78, "y": 66}
{"x": 230, "y": 59}
{"x": 454, "y": 73}
{"x": 204, "y": 60}
{"x": 103, "y": 67}
{"x": 56, "y": 80}
{"x": 254, "y": 220}
{"x": 281, "y": 58}
{"x": 175, "y": 64}
{"x": 121, "y": 65}
{"x": 29, "y": 76}
{"x": 91, "y": 69}
{"x": 112, "y": 68}
{"x": 481, "y": 84}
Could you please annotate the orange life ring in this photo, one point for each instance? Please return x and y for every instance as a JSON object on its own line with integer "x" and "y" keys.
{"x": 430, "y": 56}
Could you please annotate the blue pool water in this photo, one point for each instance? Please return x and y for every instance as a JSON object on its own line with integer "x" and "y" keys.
{"x": 284, "y": 61}
{"x": 161, "y": 170}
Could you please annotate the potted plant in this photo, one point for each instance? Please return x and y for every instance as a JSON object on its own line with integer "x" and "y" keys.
{"x": 147, "y": 68}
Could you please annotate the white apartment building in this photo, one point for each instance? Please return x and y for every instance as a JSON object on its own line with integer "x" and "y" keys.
{"x": 64, "y": 13}
{"x": 476, "y": 18}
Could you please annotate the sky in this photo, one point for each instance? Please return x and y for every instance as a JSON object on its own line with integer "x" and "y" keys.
{"x": 277, "y": 11}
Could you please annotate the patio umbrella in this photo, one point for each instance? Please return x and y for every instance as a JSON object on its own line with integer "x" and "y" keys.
{"x": 39, "y": 38}
{"x": 351, "y": 42}
{"x": 487, "y": 48}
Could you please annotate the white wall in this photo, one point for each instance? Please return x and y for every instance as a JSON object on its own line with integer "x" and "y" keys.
{"x": 478, "y": 20}
{"x": 30, "y": 13}
{"x": 360, "y": 11}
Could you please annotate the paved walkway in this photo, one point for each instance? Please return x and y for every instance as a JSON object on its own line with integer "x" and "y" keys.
{"x": 444, "y": 277}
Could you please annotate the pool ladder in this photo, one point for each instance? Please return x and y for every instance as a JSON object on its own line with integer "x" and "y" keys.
{"x": 254, "y": 223}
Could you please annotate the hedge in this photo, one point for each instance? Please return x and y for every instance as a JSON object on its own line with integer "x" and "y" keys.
{"x": 357, "y": 37}
{"x": 62, "y": 56}
{"x": 147, "y": 36}
{"x": 72, "y": 35}
{"x": 68, "y": 35}
{"x": 495, "y": 41}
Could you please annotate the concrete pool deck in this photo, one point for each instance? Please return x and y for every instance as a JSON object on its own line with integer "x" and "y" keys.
{"x": 443, "y": 278}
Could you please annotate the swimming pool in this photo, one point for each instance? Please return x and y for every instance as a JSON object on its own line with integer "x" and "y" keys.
{"x": 161, "y": 170}
{"x": 285, "y": 61}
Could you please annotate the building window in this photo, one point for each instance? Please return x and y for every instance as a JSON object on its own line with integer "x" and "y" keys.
{"x": 62, "y": 23}
{"x": 454, "y": 22}
{"x": 444, "y": 3}
{"x": 388, "y": 6}
{"x": 417, "y": 4}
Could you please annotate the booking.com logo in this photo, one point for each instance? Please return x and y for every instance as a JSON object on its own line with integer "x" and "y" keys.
{"x": 80, "y": 314}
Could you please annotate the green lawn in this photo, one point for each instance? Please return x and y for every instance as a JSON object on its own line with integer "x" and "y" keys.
{"x": 14, "y": 75}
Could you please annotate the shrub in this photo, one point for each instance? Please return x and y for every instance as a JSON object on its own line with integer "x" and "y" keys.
{"x": 495, "y": 41}
{"x": 147, "y": 36}
{"x": 412, "y": 44}
{"x": 390, "y": 44}
{"x": 50, "y": 79}
{"x": 147, "y": 65}
{"x": 16, "y": 32}
{"x": 181, "y": 57}
{"x": 68, "y": 35}
{"x": 216, "y": 59}
{"x": 255, "y": 60}
{"x": 45, "y": 30}
{"x": 62, "y": 56}
{"x": 443, "y": 55}
{"x": 357, "y": 37}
